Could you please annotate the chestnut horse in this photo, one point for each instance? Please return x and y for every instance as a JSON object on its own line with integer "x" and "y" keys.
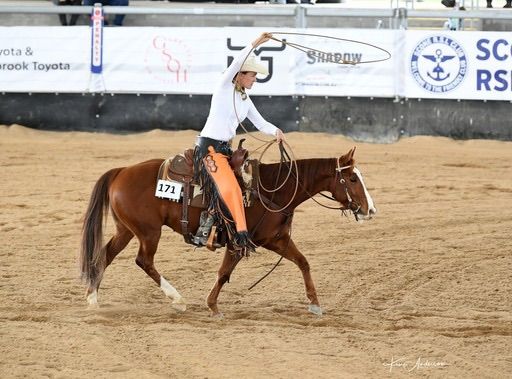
{"x": 129, "y": 192}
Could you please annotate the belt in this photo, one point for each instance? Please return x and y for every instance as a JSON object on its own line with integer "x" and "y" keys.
{"x": 223, "y": 147}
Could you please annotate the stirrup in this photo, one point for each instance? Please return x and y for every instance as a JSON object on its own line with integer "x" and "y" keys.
{"x": 199, "y": 241}
{"x": 203, "y": 232}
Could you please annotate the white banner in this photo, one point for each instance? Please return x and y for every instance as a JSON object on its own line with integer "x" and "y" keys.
{"x": 191, "y": 60}
{"x": 458, "y": 65}
{"x": 315, "y": 73}
{"x": 162, "y": 60}
{"x": 424, "y": 64}
{"x": 183, "y": 60}
{"x": 45, "y": 59}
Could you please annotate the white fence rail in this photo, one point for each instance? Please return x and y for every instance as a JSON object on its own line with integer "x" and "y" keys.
{"x": 300, "y": 13}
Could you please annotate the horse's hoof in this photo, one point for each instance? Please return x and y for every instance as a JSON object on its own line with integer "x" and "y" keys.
{"x": 315, "y": 309}
{"x": 217, "y": 316}
{"x": 179, "y": 305}
{"x": 93, "y": 306}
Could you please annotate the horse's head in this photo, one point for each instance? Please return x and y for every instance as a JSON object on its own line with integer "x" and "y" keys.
{"x": 350, "y": 190}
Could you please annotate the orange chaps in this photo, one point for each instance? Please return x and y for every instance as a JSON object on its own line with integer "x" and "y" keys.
{"x": 220, "y": 171}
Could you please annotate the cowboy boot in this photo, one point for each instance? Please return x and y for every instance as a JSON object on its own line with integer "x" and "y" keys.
{"x": 205, "y": 226}
{"x": 508, "y": 4}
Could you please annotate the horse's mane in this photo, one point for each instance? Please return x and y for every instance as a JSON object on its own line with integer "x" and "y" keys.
{"x": 309, "y": 170}
{"x": 302, "y": 164}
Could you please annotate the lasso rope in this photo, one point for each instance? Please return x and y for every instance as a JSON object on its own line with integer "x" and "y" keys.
{"x": 306, "y": 50}
{"x": 268, "y": 143}
{"x": 340, "y": 61}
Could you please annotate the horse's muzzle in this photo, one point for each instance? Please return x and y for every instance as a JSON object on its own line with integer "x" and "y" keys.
{"x": 361, "y": 216}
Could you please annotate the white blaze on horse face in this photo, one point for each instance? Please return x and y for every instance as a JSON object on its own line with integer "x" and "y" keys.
{"x": 168, "y": 289}
{"x": 369, "y": 200}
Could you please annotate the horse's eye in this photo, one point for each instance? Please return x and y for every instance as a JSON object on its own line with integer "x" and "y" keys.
{"x": 353, "y": 178}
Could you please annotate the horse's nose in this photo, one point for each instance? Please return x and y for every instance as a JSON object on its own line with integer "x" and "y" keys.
{"x": 372, "y": 211}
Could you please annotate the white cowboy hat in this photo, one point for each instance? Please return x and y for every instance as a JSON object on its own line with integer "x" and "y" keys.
{"x": 251, "y": 64}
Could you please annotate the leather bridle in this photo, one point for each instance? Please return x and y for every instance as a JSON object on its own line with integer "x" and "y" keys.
{"x": 352, "y": 205}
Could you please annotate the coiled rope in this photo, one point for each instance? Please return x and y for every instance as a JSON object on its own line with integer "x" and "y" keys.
{"x": 292, "y": 166}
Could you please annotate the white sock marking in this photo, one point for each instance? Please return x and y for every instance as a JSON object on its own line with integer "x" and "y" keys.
{"x": 92, "y": 298}
{"x": 168, "y": 289}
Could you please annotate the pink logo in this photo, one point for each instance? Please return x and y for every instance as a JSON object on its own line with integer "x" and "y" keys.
{"x": 168, "y": 60}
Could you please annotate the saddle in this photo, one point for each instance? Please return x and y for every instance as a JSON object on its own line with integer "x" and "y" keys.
{"x": 181, "y": 165}
{"x": 180, "y": 168}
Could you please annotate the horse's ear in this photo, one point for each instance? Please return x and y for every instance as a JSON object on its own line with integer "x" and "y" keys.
{"x": 347, "y": 158}
{"x": 351, "y": 153}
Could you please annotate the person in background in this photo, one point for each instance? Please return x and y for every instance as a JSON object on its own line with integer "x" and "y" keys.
{"x": 119, "y": 18}
{"x": 507, "y": 5}
{"x": 451, "y": 3}
{"x": 454, "y": 23}
{"x": 63, "y": 17}
{"x": 230, "y": 105}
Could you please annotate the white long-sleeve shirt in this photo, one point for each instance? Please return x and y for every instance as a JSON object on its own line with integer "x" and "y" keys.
{"x": 222, "y": 120}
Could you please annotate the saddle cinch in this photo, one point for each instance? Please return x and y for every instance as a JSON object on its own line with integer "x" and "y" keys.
{"x": 180, "y": 168}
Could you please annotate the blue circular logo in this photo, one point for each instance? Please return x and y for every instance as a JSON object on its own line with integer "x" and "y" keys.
{"x": 438, "y": 64}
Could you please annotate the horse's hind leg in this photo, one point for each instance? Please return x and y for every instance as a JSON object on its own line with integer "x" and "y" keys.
{"x": 116, "y": 244}
{"x": 145, "y": 260}
{"x": 228, "y": 265}
{"x": 286, "y": 248}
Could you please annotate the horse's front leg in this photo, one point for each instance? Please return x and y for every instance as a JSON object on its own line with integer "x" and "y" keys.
{"x": 286, "y": 248}
{"x": 228, "y": 265}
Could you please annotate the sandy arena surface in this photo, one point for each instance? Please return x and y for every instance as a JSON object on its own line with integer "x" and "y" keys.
{"x": 426, "y": 284}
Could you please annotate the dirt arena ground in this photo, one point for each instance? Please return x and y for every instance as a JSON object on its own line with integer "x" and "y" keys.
{"x": 423, "y": 290}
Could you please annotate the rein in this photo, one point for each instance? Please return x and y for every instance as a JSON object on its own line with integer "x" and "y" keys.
{"x": 282, "y": 149}
{"x": 339, "y": 169}
{"x": 289, "y": 216}
{"x": 284, "y": 154}
{"x": 292, "y": 164}
{"x": 293, "y": 161}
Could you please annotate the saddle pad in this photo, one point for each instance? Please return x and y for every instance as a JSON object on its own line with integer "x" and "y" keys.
{"x": 170, "y": 184}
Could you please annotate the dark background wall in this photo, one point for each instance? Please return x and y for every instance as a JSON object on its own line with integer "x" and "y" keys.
{"x": 364, "y": 119}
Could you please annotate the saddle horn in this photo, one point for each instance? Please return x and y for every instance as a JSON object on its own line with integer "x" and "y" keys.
{"x": 239, "y": 156}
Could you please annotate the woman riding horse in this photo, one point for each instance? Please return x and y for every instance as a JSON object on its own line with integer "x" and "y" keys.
{"x": 229, "y": 106}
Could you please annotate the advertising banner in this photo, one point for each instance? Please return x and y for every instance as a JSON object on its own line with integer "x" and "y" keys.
{"x": 458, "y": 65}
{"x": 186, "y": 60}
{"x": 423, "y": 64}
{"x": 191, "y": 60}
{"x": 44, "y": 59}
{"x": 335, "y": 63}
{"x": 178, "y": 60}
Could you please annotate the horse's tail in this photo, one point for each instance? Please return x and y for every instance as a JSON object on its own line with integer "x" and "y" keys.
{"x": 92, "y": 253}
